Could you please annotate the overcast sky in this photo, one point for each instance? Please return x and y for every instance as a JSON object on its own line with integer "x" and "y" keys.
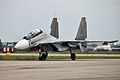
{"x": 18, "y": 17}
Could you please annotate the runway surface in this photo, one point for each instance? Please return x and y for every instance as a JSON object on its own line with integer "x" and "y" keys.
{"x": 83, "y": 69}
{"x": 36, "y": 54}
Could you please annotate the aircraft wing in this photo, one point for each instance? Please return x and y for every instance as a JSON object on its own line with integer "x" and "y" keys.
{"x": 102, "y": 41}
{"x": 73, "y": 41}
{"x": 60, "y": 42}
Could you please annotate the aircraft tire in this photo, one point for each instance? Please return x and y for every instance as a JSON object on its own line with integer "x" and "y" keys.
{"x": 73, "y": 56}
{"x": 40, "y": 58}
{"x": 44, "y": 55}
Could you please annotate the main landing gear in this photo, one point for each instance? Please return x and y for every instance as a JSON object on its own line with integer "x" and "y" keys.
{"x": 42, "y": 55}
{"x": 73, "y": 56}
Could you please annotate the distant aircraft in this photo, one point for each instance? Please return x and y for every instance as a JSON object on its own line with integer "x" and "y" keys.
{"x": 105, "y": 46}
{"x": 7, "y": 46}
{"x": 44, "y": 43}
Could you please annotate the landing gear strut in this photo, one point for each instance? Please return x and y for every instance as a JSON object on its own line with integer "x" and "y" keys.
{"x": 42, "y": 55}
{"x": 73, "y": 56}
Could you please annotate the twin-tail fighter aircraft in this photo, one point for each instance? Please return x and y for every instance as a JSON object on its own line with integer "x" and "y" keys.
{"x": 42, "y": 42}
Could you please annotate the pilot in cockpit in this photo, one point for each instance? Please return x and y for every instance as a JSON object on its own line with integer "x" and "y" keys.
{"x": 32, "y": 34}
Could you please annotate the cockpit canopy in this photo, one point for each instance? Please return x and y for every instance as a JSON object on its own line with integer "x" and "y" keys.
{"x": 33, "y": 34}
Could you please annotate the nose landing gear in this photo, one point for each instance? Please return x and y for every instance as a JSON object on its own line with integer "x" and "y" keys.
{"x": 42, "y": 56}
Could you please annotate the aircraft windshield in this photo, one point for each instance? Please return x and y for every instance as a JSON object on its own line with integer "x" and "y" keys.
{"x": 32, "y": 34}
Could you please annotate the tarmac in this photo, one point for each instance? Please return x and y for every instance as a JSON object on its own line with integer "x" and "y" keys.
{"x": 82, "y": 69}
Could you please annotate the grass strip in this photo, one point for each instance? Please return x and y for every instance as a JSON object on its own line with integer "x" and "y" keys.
{"x": 56, "y": 57}
{"x": 17, "y": 57}
{"x": 86, "y": 52}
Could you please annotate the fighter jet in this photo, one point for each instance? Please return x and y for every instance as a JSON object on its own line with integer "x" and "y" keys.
{"x": 105, "y": 46}
{"x": 37, "y": 39}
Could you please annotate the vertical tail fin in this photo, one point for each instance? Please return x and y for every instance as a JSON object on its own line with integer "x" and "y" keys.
{"x": 54, "y": 28}
{"x": 82, "y": 31}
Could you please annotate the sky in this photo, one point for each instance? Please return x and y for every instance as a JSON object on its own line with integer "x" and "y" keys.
{"x": 18, "y": 17}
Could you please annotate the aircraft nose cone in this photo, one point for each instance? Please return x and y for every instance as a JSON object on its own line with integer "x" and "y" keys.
{"x": 22, "y": 44}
